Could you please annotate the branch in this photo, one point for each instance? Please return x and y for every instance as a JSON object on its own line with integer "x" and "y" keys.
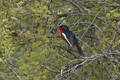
{"x": 91, "y": 23}
{"x": 74, "y": 4}
{"x": 84, "y": 62}
{"x": 48, "y": 68}
{"x": 67, "y": 51}
{"x": 12, "y": 70}
{"x": 113, "y": 5}
{"x": 114, "y": 67}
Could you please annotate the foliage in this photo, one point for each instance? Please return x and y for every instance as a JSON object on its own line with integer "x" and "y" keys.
{"x": 31, "y": 47}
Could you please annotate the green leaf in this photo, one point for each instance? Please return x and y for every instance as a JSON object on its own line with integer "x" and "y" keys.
{"x": 116, "y": 14}
{"x": 19, "y": 3}
{"x": 5, "y": 20}
{"x": 14, "y": 18}
{"x": 1, "y": 60}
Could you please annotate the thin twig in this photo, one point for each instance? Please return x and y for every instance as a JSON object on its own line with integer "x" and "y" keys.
{"x": 12, "y": 70}
{"x": 91, "y": 23}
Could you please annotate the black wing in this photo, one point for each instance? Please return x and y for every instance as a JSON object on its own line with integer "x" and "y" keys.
{"x": 68, "y": 36}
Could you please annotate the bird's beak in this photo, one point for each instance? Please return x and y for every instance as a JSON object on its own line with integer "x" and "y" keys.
{"x": 58, "y": 27}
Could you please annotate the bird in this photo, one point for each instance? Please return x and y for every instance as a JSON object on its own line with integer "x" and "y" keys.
{"x": 69, "y": 38}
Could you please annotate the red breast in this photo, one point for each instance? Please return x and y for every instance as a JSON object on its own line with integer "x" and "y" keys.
{"x": 61, "y": 31}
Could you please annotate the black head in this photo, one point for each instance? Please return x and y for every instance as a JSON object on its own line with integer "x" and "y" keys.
{"x": 63, "y": 27}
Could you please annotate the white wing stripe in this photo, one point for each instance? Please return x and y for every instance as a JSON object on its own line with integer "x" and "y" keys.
{"x": 66, "y": 39}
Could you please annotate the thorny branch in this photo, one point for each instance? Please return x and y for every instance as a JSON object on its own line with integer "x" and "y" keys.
{"x": 91, "y": 24}
{"x": 114, "y": 67}
{"x": 86, "y": 61}
{"x": 12, "y": 70}
{"x": 83, "y": 63}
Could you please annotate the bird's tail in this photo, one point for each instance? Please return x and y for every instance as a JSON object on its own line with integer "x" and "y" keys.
{"x": 79, "y": 49}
